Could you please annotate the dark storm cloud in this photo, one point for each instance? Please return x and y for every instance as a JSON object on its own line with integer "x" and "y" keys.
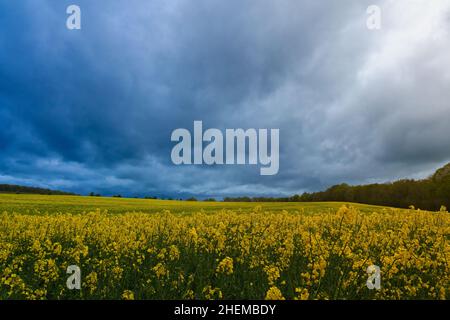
{"x": 93, "y": 109}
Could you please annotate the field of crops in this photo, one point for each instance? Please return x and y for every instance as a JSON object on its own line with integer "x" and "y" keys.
{"x": 149, "y": 249}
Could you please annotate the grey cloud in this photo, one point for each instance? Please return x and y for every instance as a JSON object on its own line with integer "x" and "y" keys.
{"x": 351, "y": 105}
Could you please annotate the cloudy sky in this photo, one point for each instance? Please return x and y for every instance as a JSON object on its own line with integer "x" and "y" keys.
{"x": 93, "y": 109}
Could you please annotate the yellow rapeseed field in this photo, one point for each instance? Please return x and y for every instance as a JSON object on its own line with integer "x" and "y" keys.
{"x": 226, "y": 254}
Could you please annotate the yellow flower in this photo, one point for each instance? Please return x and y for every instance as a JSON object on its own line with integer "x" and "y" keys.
{"x": 193, "y": 234}
{"x": 174, "y": 253}
{"x": 160, "y": 270}
{"x": 91, "y": 281}
{"x": 225, "y": 266}
{"x": 274, "y": 294}
{"x": 273, "y": 273}
{"x": 128, "y": 295}
{"x": 303, "y": 294}
{"x": 292, "y": 248}
{"x": 212, "y": 293}
{"x": 189, "y": 294}
{"x": 442, "y": 293}
{"x": 57, "y": 249}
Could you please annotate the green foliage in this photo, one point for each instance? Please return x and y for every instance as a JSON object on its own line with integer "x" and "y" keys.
{"x": 428, "y": 194}
{"x": 12, "y": 188}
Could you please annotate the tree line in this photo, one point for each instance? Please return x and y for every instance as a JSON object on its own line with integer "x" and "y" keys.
{"x": 12, "y": 188}
{"x": 427, "y": 194}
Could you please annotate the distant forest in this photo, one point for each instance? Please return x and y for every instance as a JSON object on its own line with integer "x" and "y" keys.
{"x": 12, "y": 188}
{"x": 427, "y": 194}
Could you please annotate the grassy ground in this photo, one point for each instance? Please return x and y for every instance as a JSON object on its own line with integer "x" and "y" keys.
{"x": 31, "y": 204}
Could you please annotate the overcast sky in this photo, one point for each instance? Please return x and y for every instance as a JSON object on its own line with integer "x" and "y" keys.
{"x": 93, "y": 109}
